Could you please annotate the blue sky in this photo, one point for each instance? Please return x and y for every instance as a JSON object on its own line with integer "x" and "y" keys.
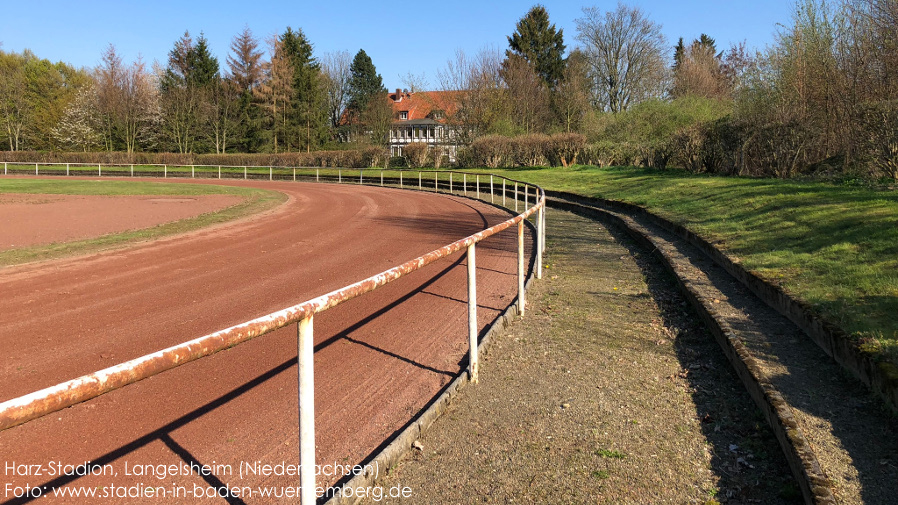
{"x": 401, "y": 37}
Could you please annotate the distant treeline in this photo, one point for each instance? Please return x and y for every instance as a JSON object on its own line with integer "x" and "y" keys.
{"x": 821, "y": 100}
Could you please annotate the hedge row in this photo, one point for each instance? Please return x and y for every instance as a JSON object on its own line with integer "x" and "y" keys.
{"x": 354, "y": 158}
{"x": 494, "y": 151}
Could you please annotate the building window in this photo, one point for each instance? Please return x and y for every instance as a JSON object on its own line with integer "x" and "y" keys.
{"x": 403, "y": 115}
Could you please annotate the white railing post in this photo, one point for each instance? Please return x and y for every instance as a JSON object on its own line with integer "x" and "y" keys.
{"x": 400, "y": 178}
{"x": 193, "y": 171}
{"x": 270, "y": 173}
{"x": 317, "y": 173}
{"x": 472, "y": 313}
{"x": 35, "y": 169}
{"x": 478, "y": 186}
{"x": 465, "y": 183}
{"x": 539, "y": 243}
{"x": 419, "y": 180}
{"x": 306, "y": 356}
{"x": 381, "y": 177}
{"x": 99, "y": 170}
{"x": 294, "y": 174}
{"x": 525, "y": 198}
{"x": 4, "y": 168}
{"x": 165, "y": 169}
{"x": 516, "y": 198}
{"x": 132, "y": 171}
{"x": 244, "y": 173}
{"x": 219, "y": 171}
{"x": 361, "y": 176}
{"x": 340, "y": 176}
{"x": 491, "y": 189}
{"x": 436, "y": 180}
{"x": 503, "y": 192}
{"x": 66, "y": 168}
{"x": 521, "y": 267}
{"x": 450, "y": 182}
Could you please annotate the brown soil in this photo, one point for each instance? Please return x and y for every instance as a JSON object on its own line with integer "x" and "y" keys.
{"x": 379, "y": 358}
{"x": 30, "y": 219}
{"x": 608, "y": 391}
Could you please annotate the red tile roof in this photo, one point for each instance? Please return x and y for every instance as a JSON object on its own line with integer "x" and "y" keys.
{"x": 421, "y": 104}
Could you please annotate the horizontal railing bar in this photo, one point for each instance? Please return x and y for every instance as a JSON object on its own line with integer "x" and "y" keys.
{"x": 48, "y": 400}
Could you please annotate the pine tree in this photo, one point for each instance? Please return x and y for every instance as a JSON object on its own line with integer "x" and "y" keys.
{"x": 308, "y": 128}
{"x": 364, "y": 83}
{"x": 540, "y": 44}
{"x": 679, "y": 54}
{"x": 245, "y": 66}
{"x": 203, "y": 66}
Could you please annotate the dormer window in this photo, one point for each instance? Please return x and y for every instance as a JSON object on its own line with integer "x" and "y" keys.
{"x": 403, "y": 115}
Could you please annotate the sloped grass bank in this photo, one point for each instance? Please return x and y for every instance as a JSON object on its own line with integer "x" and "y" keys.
{"x": 834, "y": 247}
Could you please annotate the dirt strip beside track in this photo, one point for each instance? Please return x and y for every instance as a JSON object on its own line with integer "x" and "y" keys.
{"x": 378, "y": 358}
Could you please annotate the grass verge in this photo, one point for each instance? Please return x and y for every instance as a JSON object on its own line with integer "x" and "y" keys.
{"x": 254, "y": 201}
{"x": 835, "y": 247}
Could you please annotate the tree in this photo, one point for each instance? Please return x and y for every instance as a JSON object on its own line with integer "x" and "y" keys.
{"x": 246, "y": 71}
{"x": 79, "y": 127}
{"x": 698, "y": 70}
{"x": 307, "y": 113}
{"x": 571, "y": 96}
{"x": 13, "y": 101}
{"x": 245, "y": 63}
{"x": 540, "y": 44}
{"x": 364, "y": 83}
{"x": 625, "y": 52}
{"x": 275, "y": 92}
{"x": 180, "y": 100}
{"x": 529, "y": 95}
{"x": 336, "y": 81}
{"x": 127, "y": 103}
{"x": 477, "y": 87}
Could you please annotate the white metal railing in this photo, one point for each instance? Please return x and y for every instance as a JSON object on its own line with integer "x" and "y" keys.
{"x": 37, "y": 404}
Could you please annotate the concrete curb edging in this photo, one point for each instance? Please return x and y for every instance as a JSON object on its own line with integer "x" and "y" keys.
{"x": 401, "y": 444}
{"x": 815, "y": 486}
{"x": 880, "y": 377}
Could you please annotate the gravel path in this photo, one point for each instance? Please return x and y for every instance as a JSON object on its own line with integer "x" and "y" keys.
{"x": 608, "y": 391}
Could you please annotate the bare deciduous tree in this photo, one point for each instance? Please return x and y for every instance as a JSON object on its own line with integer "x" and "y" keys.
{"x": 336, "y": 72}
{"x": 479, "y": 93}
{"x": 625, "y": 51}
{"x": 127, "y": 102}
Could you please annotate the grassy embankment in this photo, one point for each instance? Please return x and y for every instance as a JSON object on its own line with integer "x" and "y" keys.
{"x": 254, "y": 200}
{"x": 835, "y": 247}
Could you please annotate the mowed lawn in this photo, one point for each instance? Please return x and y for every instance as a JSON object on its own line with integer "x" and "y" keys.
{"x": 834, "y": 246}
{"x": 254, "y": 200}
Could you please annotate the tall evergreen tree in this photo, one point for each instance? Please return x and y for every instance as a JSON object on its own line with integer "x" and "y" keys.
{"x": 307, "y": 124}
{"x": 203, "y": 66}
{"x": 540, "y": 44}
{"x": 679, "y": 54}
{"x": 246, "y": 73}
{"x": 364, "y": 83}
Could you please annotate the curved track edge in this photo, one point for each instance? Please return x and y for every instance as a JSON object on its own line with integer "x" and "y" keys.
{"x": 395, "y": 448}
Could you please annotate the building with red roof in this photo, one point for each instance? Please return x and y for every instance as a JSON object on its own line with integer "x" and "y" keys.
{"x": 421, "y": 117}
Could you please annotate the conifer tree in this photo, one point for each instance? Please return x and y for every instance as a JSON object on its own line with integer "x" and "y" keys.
{"x": 540, "y": 44}
{"x": 364, "y": 83}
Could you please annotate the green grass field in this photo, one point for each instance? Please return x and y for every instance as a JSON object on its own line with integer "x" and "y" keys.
{"x": 833, "y": 246}
{"x": 254, "y": 200}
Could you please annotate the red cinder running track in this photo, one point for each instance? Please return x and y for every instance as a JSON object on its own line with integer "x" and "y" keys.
{"x": 378, "y": 358}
